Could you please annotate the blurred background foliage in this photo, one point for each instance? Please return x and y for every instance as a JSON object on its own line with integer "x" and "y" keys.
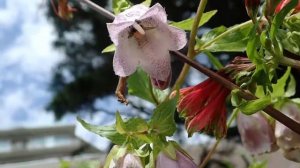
{"x": 85, "y": 74}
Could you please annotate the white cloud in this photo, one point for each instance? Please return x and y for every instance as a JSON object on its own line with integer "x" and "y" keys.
{"x": 27, "y": 60}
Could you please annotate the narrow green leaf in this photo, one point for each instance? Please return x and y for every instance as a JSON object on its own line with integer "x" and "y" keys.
{"x": 170, "y": 150}
{"x": 162, "y": 120}
{"x": 110, "y": 48}
{"x": 131, "y": 126}
{"x": 290, "y": 41}
{"x": 216, "y": 63}
{"x": 188, "y": 23}
{"x": 253, "y": 106}
{"x": 108, "y": 132}
{"x": 147, "y": 3}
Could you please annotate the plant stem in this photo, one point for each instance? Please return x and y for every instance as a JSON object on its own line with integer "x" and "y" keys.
{"x": 213, "y": 149}
{"x": 293, "y": 125}
{"x": 98, "y": 9}
{"x": 191, "y": 52}
{"x": 290, "y": 62}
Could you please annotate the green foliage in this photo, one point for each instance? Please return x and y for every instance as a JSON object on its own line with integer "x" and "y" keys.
{"x": 279, "y": 18}
{"x": 133, "y": 125}
{"x": 290, "y": 41}
{"x": 162, "y": 121}
{"x": 140, "y": 85}
{"x": 233, "y": 39}
{"x": 109, "y": 48}
{"x": 108, "y": 132}
{"x": 282, "y": 90}
{"x": 188, "y": 23}
{"x": 259, "y": 164}
{"x": 253, "y": 106}
{"x": 120, "y": 5}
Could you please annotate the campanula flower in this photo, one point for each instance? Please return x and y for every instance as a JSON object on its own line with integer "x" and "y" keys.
{"x": 257, "y": 133}
{"x": 203, "y": 107}
{"x": 181, "y": 161}
{"x": 143, "y": 38}
{"x": 288, "y": 140}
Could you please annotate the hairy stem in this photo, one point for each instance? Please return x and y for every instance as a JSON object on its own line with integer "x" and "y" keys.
{"x": 191, "y": 52}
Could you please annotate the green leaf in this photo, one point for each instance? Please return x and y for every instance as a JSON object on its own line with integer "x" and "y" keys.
{"x": 139, "y": 85}
{"x": 110, "y": 48}
{"x": 170, "y": 150}
{"x": 278, "y": 19}
{"x": 115, "y": 153}
{"x": 216, "y": 63}
{"x": 293, "y": 23}
{"x": 120, "y": 5}
{"x": 291, "y": 88}
{"x": 234, "y": 39}
{"x": 279, "y": 87}
{"x": 147, "y": 3}
{"x": 290, "y": 41}
{"x": 253, "y": 106}
{"x": 235, "y": 99}
{"x": 259, "y": 164}
{"x": 188, "y": 23}
{"x": 162, "y": 120}
{"x": 108, "y": 132}
{"x": 132, "y": 126}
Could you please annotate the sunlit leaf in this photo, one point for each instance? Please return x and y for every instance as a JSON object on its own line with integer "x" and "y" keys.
{"x": 162, "y": 120}
{"x": 188, "y": 23}
{"x": 131, "y": 126}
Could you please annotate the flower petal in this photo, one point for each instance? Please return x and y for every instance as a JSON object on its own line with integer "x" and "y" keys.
{"x": 126, "y": 58}
{"x": 163, "y": 161}
{"x": 118, "y": 31}
{"x": 155, "y": 59}
{"x": 256, "y": 133}
{"x": 178, "y": 38}
{"x": 133, "y": 13}
{"x": 157, "y": 12}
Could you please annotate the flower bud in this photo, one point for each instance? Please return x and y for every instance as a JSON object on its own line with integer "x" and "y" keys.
{"x": 287, "y": 140}
{"x": 257, "y": 134}
{"x": 252, "y": 7}
{"x": 181, "y": 161}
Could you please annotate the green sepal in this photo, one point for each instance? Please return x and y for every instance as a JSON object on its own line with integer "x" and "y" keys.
{"x": 120, "y": 5}
{"x": 162, "y": 120}
{"x": 110, "y": 48}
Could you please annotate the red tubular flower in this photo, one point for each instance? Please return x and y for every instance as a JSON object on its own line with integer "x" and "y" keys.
{"x": 204, "y": 108}
{"x": 283, "y": 3}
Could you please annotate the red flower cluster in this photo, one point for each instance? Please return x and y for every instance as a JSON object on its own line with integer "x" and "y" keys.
{"x": 204, "y": 108}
